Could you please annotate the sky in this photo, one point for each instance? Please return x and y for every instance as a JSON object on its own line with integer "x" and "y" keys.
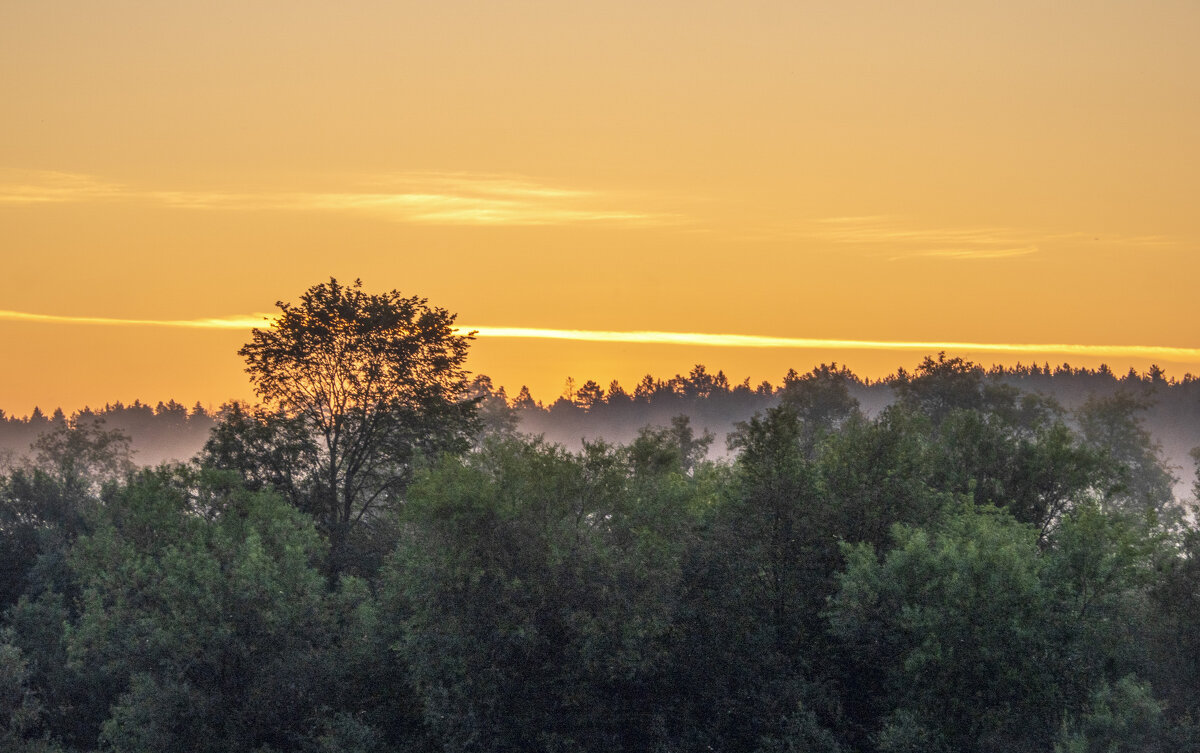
{"x": 838, "y": 176}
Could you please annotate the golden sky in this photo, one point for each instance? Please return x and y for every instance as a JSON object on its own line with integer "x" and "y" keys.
{"x": 1017, "y": 173}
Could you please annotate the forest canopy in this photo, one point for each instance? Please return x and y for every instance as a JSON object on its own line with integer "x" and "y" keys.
{"x": 384, "y": 555}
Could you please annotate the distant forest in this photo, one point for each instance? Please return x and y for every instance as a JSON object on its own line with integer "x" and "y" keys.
{"x": 1168, "y": 407}
{"x": 382, "y": 555}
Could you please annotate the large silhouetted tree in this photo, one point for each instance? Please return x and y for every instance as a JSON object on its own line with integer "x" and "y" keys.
{"x": 372, "y": 383}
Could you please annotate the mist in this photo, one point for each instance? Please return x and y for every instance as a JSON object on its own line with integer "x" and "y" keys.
{"x": 714, "y": 403}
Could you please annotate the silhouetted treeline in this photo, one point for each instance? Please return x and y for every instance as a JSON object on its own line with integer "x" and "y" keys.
{"x": 970, "y": 567}
{"x": 169, "y": 431}
{"x": 166, "y": 431}
{"x": 1169, "y": 407}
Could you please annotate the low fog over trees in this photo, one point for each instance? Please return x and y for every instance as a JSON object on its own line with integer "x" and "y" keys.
{"x": 1167, "y": 408}
{"x": 952, "y": 559}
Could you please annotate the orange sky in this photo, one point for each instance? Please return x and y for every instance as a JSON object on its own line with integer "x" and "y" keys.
{"x": 975, "y": 172}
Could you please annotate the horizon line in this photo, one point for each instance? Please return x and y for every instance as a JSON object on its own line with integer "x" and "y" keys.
{"x": 661, "y": 337}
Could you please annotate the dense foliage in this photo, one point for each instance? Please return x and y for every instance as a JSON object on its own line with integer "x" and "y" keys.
{"x": 963, "y": 572}
{"x": 1170, "y": 408}
{"x": 971, "y": 568}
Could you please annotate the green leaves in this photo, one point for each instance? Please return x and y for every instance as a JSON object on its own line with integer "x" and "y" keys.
{"x": 537, "y": 589}
{"x": 985, "y": 637}
{"x": 207, "y": 628}
{"x": 960, "y": 620}
{"x": 962, "y": 572}
{"x": 1122, "y": 717}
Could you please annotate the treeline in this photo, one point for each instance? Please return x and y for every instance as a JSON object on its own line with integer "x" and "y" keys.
{"x": 166, "y": 431}
{"x": 970, "y": 568}
{"x": 1170, "y": 409}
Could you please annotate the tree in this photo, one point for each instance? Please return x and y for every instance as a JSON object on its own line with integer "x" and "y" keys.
{"x": 1112, "y": 425}
{"x": 821, "y": 400}
{"x": 670, "y": 449}
{"x": 1104, "y": 568}
{"x": 1037, "y": 469}
{"x": 206, "y": 632}
{"x": 525, "y": 400}
{"x": 941, "y": 386}
{"x": 373, "y": 383}
{"x": 951, "y": 636}
{"x": 44, "y": 507}
{"x": 534, "y": 590}
{"x": 496, "y": 416}
{"x": 1175, "y": 627}
{"x": 876, "y": 473}
{"x": 1121, "y": 717}
{"x": 20, "y": 709}
{"x": 754, "y": 586}
{"x": 589, "y": 395}
{"x": 82, "y": 452}
{"x": 617, "y": 394}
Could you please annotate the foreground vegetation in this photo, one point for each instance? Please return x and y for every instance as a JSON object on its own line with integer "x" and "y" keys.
{"x": 968, "y": 570}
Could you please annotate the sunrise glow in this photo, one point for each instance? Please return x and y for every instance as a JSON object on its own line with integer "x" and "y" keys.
{"x": 616, "y": 189}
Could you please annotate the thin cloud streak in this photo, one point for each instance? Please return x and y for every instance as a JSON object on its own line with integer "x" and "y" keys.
{"x": 50, "y": 187}
{"x": 654, "y": 337}
{"x": 900, "y": 240}
{"x": 224, "y": 322}
{"x": 894, "y": 234}
{"x": 490, "y": 184}
{"x": 855, "y": 219}
{"x": 812, "y": 343}
{"x": 974, "y": 253}
{"x": 420, "y": 198}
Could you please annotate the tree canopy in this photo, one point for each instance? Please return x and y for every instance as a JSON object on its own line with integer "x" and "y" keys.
{"x": 971, "y": 568}
{"x": 358, "y": 388}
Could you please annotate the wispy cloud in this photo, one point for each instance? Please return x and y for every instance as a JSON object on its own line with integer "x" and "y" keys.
{"x": 1130, "y": 240}
{"x": 855, "y": 219}
{"x": 898, "y": 239}
{"x": 813, "y": 343}
{"x": 974, "y": 253}
{"x": 223, "y": 322}
{"x": 655, "y": 337}
{"x": 418, "y": 197}
{"x": 47, "y": 186}
{"x": 902, "y": 240}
